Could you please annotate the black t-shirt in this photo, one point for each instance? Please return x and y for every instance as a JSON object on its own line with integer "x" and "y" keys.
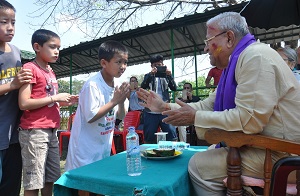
{"x": 194, "y": 99}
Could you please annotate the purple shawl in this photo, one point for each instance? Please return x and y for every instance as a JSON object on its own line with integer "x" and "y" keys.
{"x": 227, "y": 85}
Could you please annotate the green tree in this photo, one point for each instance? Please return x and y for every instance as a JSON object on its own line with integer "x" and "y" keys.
{"x": 64, "y": 87}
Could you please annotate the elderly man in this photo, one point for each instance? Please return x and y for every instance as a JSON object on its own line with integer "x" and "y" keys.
{"x": 257, "y": 93}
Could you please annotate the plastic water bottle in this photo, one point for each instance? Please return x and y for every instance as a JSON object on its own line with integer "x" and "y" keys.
{"x": 133, "y": 158}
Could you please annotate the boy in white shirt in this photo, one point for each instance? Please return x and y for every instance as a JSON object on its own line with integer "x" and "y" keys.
{"x": 93, "y": 127}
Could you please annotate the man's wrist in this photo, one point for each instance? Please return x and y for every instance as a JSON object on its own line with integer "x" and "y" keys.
{"x": 167, "y": 107}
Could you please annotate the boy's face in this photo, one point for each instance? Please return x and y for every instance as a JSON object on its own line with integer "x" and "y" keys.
{"x": 49, "y": 51}
{"x": 116, "y": 66}
{"x": 7, "y": 24}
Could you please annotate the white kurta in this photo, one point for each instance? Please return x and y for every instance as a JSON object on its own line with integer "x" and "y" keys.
{"x": 267, "y": 102}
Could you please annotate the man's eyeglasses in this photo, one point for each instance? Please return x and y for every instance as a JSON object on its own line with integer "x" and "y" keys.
{"x": 209, "y": 39}
{"x": 186, "y": 88}
{"x": 288, "y": 60}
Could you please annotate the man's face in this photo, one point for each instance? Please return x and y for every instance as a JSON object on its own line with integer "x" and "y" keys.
{"x": 133, "y": 83}
{"x": 133, "y": 80}
{"x": 157, "y": 64}
{"x": 216, "y": 47}
{"x": 291, "y": 64}
{"x": 187, "y": 87}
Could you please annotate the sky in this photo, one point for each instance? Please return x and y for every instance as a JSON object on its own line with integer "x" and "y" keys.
{"x": 24, "y": 29}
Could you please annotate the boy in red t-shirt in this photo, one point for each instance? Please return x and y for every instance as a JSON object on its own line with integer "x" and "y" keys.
{"x": 40, "y": 101}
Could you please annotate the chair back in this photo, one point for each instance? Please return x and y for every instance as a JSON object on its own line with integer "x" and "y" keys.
{"x": 132, "y": 118}
{"x": 70, "y": 121}
{"x": 280, "y": 172}
{"x": 234, "y": 140}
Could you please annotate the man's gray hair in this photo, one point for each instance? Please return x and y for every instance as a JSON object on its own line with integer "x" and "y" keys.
{"x": 290, "y": 53}
{"x": 230, "y": 21}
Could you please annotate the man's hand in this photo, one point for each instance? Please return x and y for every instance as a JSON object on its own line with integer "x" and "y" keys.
{"x": 183, "y": 116}
{"x": 168, "y": 72}
{"x": 22, "y": 77}
{"x": 153, "y": 71}
{"x": 152, "y": 100}
{"x": 189, "y": 95}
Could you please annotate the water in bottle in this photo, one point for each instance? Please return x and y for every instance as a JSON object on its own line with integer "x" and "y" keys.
{"x": 133, "y": 158}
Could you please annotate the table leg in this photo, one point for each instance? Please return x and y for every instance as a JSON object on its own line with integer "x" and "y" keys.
{"x": 83, "y": 193}
{"x": 86, "y": 193}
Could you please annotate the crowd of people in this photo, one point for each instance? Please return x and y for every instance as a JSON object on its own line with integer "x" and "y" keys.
{"x": 258, "y": 91}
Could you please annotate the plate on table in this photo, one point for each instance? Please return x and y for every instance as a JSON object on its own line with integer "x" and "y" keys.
{"x": 145, "y": 154}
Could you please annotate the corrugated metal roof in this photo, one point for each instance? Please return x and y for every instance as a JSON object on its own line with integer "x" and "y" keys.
{"x": 188, "y": 33}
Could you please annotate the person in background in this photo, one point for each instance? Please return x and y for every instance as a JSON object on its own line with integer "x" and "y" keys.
{"x": 289, "y": 55}
{"x": 257, "y": 93}
{"x": 40, "y": 102}
{"x": 161, "y": 85}
{"x": 214, "y": 73}
{"x": 187, "y": 97}
{"x": 298, "y": 58}
{"x": 134, "y": 101}
{"x": 101, "y": 103}
{"x": 12, "y": 77}
{"x": 188, "y": 92}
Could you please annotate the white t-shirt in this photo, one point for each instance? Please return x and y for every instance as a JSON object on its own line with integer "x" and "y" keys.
{"x": 90, "y": 142}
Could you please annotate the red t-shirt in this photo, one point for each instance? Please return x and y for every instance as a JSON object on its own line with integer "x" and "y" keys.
{"x": 215, "y": 73}
{"x": 46, "y": 116}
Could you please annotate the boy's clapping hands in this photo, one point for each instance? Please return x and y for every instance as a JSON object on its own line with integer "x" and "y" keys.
{"x": 121, "y": 93}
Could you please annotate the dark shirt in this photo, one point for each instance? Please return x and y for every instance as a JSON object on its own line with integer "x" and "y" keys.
{"x": 10, "y": 64}
{"x": 194, "y": 99}
{"x": 149, "y": 82}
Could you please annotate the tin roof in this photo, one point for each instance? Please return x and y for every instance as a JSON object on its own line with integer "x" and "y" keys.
{"x": 188, "y": 35}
